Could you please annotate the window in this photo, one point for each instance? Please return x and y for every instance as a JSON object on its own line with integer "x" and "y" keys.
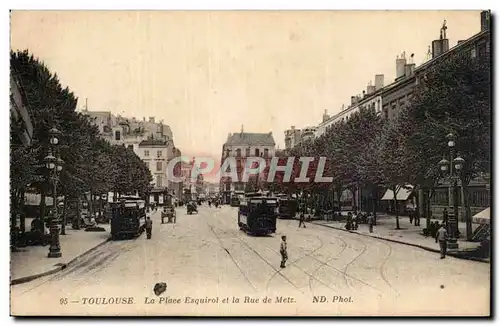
{"x": 238, "y": 152}
{"x": 158, "y": 180}
{"x": 147, "y": 164}
{"x": 146, "y": 152}
{"x": 481, "y": 49}
{"x": 159, "y": 165}
{"x": 266, "y": 153}
{"x": 473, "y": 53}
{"x": 117, "y": 135}
{"x": 247, "y": 154}
{"x": 159, "y": 153}
{"x": 257, "y": 152}
{"x": 386, "y": 113}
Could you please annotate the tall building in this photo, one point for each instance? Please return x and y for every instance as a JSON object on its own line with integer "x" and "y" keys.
{"x": 240, "y": 146}
{"x": 292, "y": 137}
{"x": 150, "y": 140}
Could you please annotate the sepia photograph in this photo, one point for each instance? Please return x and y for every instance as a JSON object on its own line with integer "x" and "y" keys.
{"x": 270, "y": 163}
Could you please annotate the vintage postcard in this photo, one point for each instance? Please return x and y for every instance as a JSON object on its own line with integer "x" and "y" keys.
{"x": 250, "y": 163}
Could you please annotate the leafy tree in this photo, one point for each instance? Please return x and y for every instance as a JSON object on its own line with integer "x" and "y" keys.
{"x": 453, "y": 97}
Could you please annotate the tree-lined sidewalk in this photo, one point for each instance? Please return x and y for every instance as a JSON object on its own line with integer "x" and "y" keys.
{"x": 90, "y": 163}
{"x": 366, "y": 151}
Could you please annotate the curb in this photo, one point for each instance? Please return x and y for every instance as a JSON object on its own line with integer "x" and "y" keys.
{"x": 452, "y": 254}
{"x": 30, "y": 278}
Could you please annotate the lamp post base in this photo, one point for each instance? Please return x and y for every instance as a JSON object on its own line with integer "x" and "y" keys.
{"x": 452, "y": 244}
{"x": 55, "y": 248}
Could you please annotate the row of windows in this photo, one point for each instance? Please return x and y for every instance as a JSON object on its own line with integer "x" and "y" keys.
{"x": 158, "y": 153}
{"x": 247, "y": 152}
{"x": 159, "y": 165}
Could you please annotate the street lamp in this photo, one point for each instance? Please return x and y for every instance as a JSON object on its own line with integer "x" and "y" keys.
{"x": 454, "y": 166}
{"x": 54, "y": 165}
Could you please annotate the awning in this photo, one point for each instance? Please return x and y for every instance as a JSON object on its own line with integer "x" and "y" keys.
{"x": 403, "y": 193}
{"x": 482, "y": 217}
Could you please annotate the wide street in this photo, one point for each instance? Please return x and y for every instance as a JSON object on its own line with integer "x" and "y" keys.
{"x": 206, "y": 255}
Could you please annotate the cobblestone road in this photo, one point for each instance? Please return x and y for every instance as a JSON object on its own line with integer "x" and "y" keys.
{"x": 206, "y": 257}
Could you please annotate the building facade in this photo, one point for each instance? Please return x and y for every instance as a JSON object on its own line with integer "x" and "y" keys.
{"x": 150, "y": 140}
{"x": 292, "y": 137}
{"x": 240, "y": 146}
{"x": 371, "y": 98}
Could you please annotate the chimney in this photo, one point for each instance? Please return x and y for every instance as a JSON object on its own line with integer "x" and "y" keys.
{"x": 379, "y": 82}
{"x": 293, "y": 127}
{"x": 400, "y": 65}
{"x": 144, "y": 119}
{"x": 443, "y": 44}
{"x": 364, "y": 94}
{"x": 353, "y": 100}
{"x": 370, "y": 89}
{"x": 409, "y": 69}
{"x": 152, "y": 119}
{"x": 485, "y": 20}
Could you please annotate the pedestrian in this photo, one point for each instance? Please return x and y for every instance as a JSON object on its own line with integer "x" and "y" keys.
{"x": 149, "y": 227}
{"x": 283, "y": 252}
{"x": 441, "y": 236}
{"x": 370, "y": 220}
{"x": 417, "y": 218}
{"x": 445, "y": 216}
{"x": 410, "y": 215}
{"x": 302, "y": 219}
{"x": 163, "y": 214}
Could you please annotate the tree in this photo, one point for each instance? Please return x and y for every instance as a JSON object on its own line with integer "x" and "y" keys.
{"x": 392, "y": 162}
{"x": 454, "y": 96}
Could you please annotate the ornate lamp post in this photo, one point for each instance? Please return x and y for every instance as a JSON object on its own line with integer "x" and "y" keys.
{"x": 454, "y": 166}
{"x": 54, "y": 165}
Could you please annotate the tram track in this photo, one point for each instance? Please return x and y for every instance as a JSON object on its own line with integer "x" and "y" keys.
{"x": 294, "y": 262}
{"x": 231, "y": 256}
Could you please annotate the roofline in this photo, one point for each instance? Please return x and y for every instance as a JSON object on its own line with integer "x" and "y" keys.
{"x": 411, "y": 77}
{"x": 429, "y": 63}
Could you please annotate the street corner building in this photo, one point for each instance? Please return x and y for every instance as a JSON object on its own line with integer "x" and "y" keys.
{"x": 240, "y": 146}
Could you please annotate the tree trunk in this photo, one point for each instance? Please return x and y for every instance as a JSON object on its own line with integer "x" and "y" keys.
{"x": 374, "y": 204}
{"x": 78, "y": 212}
{"x": 91, "y": 203}
{"x": 396, "y": 208}
{"x": 417, "y": 201}
{"x": 468, "y": 213}
{"x": 63, "y": 224}
{"x": 353, "y": 193}
{"x": 339, "y": 197}
{"x": 22, "y": 222}
{"x": 428, "y": 206}
{"x": 42, "y": 209}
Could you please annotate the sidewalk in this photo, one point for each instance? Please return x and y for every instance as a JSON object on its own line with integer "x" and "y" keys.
{"x": 408, "y": 234}
{"x": 32, "y": 262}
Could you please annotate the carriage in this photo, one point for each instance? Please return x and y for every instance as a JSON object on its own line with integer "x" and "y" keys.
{"x": 257, "y": 214}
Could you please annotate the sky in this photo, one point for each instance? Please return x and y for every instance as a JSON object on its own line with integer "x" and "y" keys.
{"x": 207, "y": 73}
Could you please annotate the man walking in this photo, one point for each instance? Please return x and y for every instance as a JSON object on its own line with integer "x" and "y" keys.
{"x": 149, "y": 227}
{"x": 302, "y": 219}
{"x": 284, "y": 255}
{"x": 370, "y": 220}
{"x": 441, "y": 236}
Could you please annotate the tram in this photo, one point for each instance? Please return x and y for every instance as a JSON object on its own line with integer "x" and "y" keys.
{"x": 257, "y": 214}
{"x": 128, "y": 217}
